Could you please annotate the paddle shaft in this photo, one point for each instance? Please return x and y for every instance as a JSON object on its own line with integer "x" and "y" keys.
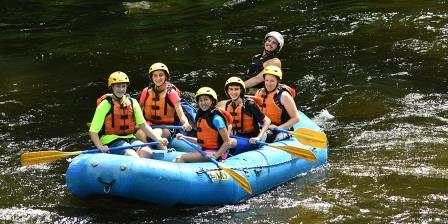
{"x": 282, "y": 130}
{"x": 295, "y": 151}
{"x": 117, "y": 148}
{"x": 38, "y": 157}
{"x": 167, "y": 126}
{"x": 240, "y": 180}
{"x": 307, "y": 136}
{"x": 198, "y": 148}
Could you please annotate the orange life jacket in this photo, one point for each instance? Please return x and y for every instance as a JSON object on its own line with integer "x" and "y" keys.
{"x": 157, "y": 107}
{"x": 120, "y": 118}
{"x": 256, "y": 99}
{"x": 272, "y": 106}
{"x": 243, "y": 123}
{"x": 208, "y": 135}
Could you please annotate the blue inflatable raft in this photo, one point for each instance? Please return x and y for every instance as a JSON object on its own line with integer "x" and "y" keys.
{"x": 160, "y": 181}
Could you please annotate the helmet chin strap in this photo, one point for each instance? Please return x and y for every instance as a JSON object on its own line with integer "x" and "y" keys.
{"x": 276, "y": 87}
{"x": 115, "y": 95}
{"x": 271, "y": 52}
{"x": 158, "y": 86}
{"x": 122, "y": 99}
{"x": 236, "y": 102}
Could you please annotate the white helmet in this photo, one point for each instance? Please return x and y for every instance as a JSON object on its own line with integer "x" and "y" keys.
{"x": 278, "y": 37}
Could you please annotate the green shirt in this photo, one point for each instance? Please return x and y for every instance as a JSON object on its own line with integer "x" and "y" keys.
{"x": 100, "y": 115}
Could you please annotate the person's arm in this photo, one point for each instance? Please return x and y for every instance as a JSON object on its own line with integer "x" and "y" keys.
{"x": 97, "y": 124}
{"x": 259, "y": 116}
{"x": 174, "y": 98}
{"x": 288, "y": 102}
{"x": 188, "y": 138}
{"x": 182, "y": 118}
{"x": 149, "y": 132}
{"x": 141, "y": 123}
{"x": 143, "y": 95}
{"x": 221, "y": 104}
{"x": 227, "y": 142}
{"x": 254, "y": 80}
{"x": 266, "y": 123}
{"x": 259, "y": 77}
{"x": 264, "y": 128}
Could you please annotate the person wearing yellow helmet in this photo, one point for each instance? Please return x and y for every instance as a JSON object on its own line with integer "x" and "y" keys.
{"x": 212, "y": 123}
{"x": 161, "y": 102}
{"x": 278, "y": 103}
{"x": 273, "y": 44}
{"x": 246, "y": 115}
{"x": 116, "y": 117}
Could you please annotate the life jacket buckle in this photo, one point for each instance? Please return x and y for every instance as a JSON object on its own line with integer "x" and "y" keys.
{"x": 156, "y": 117}
{"x": 124, "y": 127}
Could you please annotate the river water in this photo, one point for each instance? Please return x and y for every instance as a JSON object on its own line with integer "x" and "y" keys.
{"x": 371, "y": 73}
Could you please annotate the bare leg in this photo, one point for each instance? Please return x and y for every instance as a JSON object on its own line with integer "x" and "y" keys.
{"x": 165, "y": 133}
{"x": 130, "y": 152}
{"x": 144, "y": 152}
{"x": 143, "y": 138}
{"x": 191, "y": 157}
{"x": 141, "y": 135}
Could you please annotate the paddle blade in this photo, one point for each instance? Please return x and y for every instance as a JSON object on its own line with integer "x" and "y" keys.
{"x": 240, "y": 180}
{"x": 39, "y": 157}
{"x": 297, "y": 152}
{"x": 310, "y": 137}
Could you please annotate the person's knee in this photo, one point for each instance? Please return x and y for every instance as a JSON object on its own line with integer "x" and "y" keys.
{"x": 145, "y": 152}
{"x": 280, "y": 136}
{"x": 131, "y": 152}
{"x": 233, "y": 142}
{"x": 179, "y": 160}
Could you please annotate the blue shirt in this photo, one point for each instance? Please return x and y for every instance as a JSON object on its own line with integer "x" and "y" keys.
{"x": 218, "y": 122}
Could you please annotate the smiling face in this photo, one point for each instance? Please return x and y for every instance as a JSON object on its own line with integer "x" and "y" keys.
{"x": 234, "y": 91}
{"x": 205, "y": 102}
{"x": 270, "y": 82}
{"x": 119, "y": 89}
{"x": 270, "y": 45}
{"x": 158, "y": 77}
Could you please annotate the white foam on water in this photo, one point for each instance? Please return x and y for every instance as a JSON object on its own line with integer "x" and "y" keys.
{"x": 27, "y": 215}
{"x": 137, "y": 5}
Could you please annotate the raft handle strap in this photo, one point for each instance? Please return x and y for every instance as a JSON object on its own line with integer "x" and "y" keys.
{"x": 257, "y": 171}
{"x": 106, "y": 184}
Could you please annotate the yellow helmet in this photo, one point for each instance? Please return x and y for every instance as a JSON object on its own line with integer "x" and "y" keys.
{"x": 159, "y": 66}
{"x": 273, "y": 70}
{"x": 235, "y": 80}
{"x": 117, "y": 77}
{"x": 206, "y": 91}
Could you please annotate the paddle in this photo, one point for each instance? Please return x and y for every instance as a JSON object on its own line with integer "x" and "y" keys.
{"x": 38, "y": 157}
{"x": 304, "y": 135}
{"x": 293, "y": 150}
{"x": 307, "y": 136}
{"x": 240, "y": 180}
{"x": 167, "y": 126}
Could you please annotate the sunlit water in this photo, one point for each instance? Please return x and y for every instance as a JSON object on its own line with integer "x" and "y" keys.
{"x": 372, "y": 74}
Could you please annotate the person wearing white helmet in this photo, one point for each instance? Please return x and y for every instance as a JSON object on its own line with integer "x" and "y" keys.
{"x": 273, "y": 44}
